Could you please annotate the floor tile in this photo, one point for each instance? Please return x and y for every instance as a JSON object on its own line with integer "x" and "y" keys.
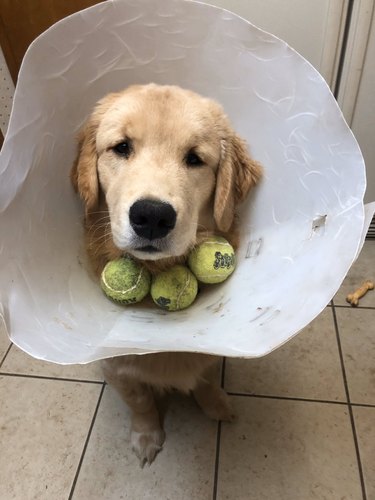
{"x": 357, "y": 334}
{"x": 4, "y": 340}
{"x": 365, "y": 425}
{"x": 363, "y": 269}
{"x": 308, "y": 366}
{"x": 183, "y": 470}
{"x": 43, "y": 428}
{"x": 19, "y": 362}
{"x": 288, "y": 450}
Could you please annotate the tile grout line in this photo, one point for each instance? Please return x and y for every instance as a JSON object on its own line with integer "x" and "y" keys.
{"x": 45, "y": 377}
{"x": 217, "y": 456}
{"x": 218, "y": 438}
{"x": 342, "y": 306}
{"x": 363, "y": 405}
{"x": 86, "y": 442}
{"x": 287, "y": 398}
{"x": 303, "y": 400}
{"x": 5, "y": 355}
{"x": 350, "y": 408}
{"x": 222, "y": 381}
{"x": 230, "y": 393}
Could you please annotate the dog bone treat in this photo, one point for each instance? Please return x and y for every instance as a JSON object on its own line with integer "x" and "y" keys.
{"x": 174, "y": 289}
{"x": 213, "y": 261}
{"x": 353, "y": 298}
{"x": 125, "y": 281}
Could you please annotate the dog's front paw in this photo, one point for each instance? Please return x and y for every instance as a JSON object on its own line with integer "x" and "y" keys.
{"x": 220, "y": 408}
{"x": 146, "y": 445}
{"x": 215, "y": 403}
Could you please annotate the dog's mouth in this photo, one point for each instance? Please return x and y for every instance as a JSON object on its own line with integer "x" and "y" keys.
{"x": 155, "y": 250}
{"x": 148, "y": 249}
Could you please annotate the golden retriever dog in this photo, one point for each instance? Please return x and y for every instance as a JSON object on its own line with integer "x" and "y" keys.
{"x": 160, "y": 169}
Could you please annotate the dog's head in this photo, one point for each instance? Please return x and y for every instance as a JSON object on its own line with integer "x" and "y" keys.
{"x": 168, "y": 165}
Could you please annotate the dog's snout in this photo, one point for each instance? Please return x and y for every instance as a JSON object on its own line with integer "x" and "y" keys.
{"x": 152, "y": 219}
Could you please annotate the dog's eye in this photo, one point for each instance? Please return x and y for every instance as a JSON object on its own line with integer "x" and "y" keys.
{"x": 193, "y": 160}
{"x": 123, "y": 148}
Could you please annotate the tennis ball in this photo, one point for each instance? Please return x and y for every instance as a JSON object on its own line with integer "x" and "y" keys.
{"x": 174, "y": 289}
{"x": 213, "y": 261}
{"x": 125, "y": 281}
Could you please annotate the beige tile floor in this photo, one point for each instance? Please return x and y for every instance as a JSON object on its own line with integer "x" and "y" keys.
{"x": 305, "y": 428}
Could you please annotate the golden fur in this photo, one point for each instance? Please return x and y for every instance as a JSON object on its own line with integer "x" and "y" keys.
{"x": 163, "y": 125}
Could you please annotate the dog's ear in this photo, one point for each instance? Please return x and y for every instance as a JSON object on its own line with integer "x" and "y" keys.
{"x": 237, "y": 174}
{"x": 84, "y": 174}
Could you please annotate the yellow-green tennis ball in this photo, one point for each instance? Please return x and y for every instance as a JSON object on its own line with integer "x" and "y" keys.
{"x": 213, "y": 261}
{"x": 174, "y": 289}
{"x": 125, "y": 281}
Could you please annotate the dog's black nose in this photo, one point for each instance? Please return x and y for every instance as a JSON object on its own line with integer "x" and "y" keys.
{"x": 152, "y": 219}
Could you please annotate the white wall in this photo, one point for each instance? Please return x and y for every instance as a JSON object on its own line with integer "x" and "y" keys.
{"x": 312, "y": 27}
{"x": 363, "y": 122}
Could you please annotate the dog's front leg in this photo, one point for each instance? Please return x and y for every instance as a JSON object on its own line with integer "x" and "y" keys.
{"x": 147, "y": 436}
{"x": 146, "y": 433}
{"x": 213, "y": 400}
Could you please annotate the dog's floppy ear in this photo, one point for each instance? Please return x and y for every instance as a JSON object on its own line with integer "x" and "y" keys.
{"x": 237, "y": 174}
{"x": 84, "y": 175}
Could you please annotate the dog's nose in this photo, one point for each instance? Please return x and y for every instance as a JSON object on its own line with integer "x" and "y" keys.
{"x": 152, "y": 219}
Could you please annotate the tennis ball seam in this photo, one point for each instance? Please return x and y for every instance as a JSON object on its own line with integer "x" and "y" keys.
{"x": 187, "y": 283}
{"x": 123, "y": 292}
{"x": 219, "y": 275}
{"x": 208, "y": 242}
